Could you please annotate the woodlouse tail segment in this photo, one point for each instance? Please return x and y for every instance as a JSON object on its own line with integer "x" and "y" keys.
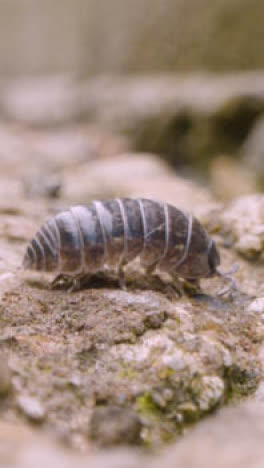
{"x": 227, "y": 277}
{"x": 42, "y": 252}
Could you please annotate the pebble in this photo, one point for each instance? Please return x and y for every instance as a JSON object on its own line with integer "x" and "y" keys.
{"x": 249, "y": 245}
{"x": 257, "y": 305}
{"x": 175, "y": 361}
{"x": 210, "y": 392}
{"x": 31, "y": 408}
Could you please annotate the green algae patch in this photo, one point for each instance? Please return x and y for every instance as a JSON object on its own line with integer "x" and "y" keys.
{"x": 146, "y": 405}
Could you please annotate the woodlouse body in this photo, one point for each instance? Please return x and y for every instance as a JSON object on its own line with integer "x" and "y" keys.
{"x": 112, "y": 233}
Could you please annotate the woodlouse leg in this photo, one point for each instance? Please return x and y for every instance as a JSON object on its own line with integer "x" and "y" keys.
{"x": 174, "y": 289}
{"x": 191, "y": 286}
{"x": 59, "y": 280}
{"x": 186, "y": 286}
{"x": 172, "y": 292}
{"x": 79, "y": 282}
{"x": 177, "y": 286}
{"x": 70, "y": 283}
{"x": 76, "y": 284}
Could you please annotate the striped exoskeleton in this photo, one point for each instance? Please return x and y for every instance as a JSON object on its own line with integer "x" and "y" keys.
{"x": 83, "y": 240}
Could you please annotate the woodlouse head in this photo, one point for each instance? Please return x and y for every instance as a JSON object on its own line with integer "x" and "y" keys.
{"x": 201, "y": 257}
{"x": 200, "y": 263}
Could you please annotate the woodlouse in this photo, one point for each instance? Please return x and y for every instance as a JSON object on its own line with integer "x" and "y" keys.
{"x": 82, "y": 240}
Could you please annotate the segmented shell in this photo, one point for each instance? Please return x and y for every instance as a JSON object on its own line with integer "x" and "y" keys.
{"x": 85, "y": 238}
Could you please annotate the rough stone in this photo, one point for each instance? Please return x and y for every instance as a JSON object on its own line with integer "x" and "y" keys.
{"x": 209, "y": 392}
{"x": 158, "y": 368}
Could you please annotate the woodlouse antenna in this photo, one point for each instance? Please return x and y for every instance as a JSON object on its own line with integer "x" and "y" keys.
{"x": 228, "y": 278}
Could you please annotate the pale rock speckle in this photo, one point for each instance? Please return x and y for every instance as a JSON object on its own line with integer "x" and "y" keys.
{"x": 208, "y": 392}
{"x": 31, "y": 407}
{"x": 257, "y": 305}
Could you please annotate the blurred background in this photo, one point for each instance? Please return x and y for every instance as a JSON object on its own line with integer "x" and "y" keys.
{"x": 93, "y": 92}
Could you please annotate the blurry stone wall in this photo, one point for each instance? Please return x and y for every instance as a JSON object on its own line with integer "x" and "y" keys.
{"x": 94, "y": 36}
